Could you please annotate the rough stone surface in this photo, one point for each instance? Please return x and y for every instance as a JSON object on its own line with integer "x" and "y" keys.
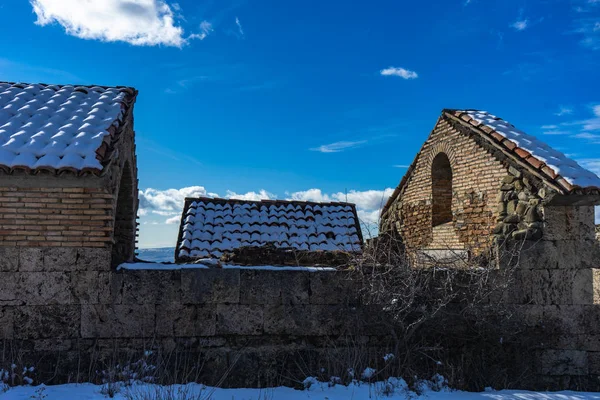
{"x": 46, "y": 322}
{"x": 6, "y": 322}
{"x": 239, "y": 319}
{"x": 117, "y": 321}
{"x": 200, "y": 286}
{"x": 9, "y": 259}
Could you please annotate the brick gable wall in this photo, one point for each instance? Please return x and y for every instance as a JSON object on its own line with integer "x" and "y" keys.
{"x": 476, "y": 179}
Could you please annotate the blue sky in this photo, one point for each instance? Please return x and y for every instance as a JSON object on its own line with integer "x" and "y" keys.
{"x": 239, "y": 97}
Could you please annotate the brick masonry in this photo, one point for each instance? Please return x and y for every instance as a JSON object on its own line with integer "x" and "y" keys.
{"x": 473, "y": 207}
{"x": 46, "y": 210}
{"x": 55, "y": 217}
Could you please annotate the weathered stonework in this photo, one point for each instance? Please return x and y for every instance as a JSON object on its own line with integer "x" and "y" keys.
{"x": 476, "y": 179}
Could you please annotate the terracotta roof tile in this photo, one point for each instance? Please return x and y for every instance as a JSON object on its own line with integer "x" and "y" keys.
{"x": 59, "y": 127}
{"x": 556, "y": 163}
{"x": 210, "y": 227}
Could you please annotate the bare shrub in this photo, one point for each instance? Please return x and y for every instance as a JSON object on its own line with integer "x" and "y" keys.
{"x": 447, "y": 318}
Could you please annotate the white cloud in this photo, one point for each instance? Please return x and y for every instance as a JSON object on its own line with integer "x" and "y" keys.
{"x": 549, "y": 126}
{"x": 338, "y": 146}
{"x": 401, "y": 72}
{"x": 169, "y": 203}
{"x": 520, "y": 25}
{"x": 596, "y": 109}
{"x": 367, "y": 200}
{"x": 564, "y": 111}
{"x": 254, "y": 196}
{"x": 206, "y": 28}
{"x": 173, "y": 220}
{"x": 139, "y": 22}
{"x": 556, "y": 132}
{"x": 401, "y": 166}
{"x": 239, "y": 25}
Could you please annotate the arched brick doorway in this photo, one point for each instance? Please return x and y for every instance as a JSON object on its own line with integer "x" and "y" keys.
{"x": 125, "y": 219}
{"x": 441, "y": 189}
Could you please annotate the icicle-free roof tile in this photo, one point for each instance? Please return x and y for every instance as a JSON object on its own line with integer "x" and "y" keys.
{"x": 556, "y": 166}
{"x": 210, "y": 227}
{"x": 60, "y": 127}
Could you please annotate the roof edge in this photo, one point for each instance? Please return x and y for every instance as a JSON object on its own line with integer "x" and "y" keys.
{"x": 267, "y": 201}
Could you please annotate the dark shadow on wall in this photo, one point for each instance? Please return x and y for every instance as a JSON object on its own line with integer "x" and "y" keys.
{"x": 441, "y": 187}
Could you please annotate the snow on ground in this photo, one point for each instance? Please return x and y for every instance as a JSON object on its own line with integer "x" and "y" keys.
{"x": 316, "y": 391}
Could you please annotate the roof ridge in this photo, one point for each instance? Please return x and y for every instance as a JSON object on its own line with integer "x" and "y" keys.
{"x": 60, "y": 85}
{"x": 264, "y": 201}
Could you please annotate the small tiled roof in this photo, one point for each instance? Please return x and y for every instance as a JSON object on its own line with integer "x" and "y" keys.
{"x": 209, "y": 226}
{"x": 554, "y": 166}
{"x": 60, "y": 127}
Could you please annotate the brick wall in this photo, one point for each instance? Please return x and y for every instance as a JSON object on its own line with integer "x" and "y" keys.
{"x": 476, "y": 179}
{"x": 59, "y": 217}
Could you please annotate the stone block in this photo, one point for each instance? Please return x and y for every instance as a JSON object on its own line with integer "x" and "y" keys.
{"x": 9, "y": 289}
{"x": 201, "y": 286}
{"x": 588, "y": 342}
{"x": 6, "y": 322}
{"x": 110, "y": 287}
{"x": 9, "y": 259}
{"x": 239, "y": 319}
{"x": 312, "y": 320}
{"x": 560, "y": 287}
{"x": 586, "y": 286}
{"x": 45, "y": 288}
{"x": 332, "y": 288}
{"x": 53, "y": 344}
{"x": 176, "y": 320}
{"x": 94, "y": 259}
{"x": 594, "y": 363}
{"x": 286, "y": 319}
{"x": 151, "y": 287}
{"x": 47, "y": 322}
{"x": 274, "y": 287}
{"x": 569, "y": 223}
{"x": 85, "y": 287}
{"x": 117, "y": 321}
{"x": 260, "y": 287}
{"x": 60, "y": 259}
{"x": 558, "y": 254}
{"x": 31, "y": 259}
{"x": 564, "y": 362}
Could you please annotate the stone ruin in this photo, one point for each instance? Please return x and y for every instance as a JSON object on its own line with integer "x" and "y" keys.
{"x": 69, "y": 221}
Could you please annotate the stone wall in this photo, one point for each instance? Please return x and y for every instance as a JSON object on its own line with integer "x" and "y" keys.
{"x": 476, "y": 179}
{"x": 64, "y": 308}
{"x": 556, "y": 293}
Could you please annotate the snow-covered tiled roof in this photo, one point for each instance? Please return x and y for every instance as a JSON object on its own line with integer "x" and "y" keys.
{"x": 559, "y": 168}
{"x": 59, "y": 127}
{"x": 210, "y": 227}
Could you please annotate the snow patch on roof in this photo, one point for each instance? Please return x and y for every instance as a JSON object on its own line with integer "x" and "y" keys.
{"x": 209, "y": 229}
{"x": 54, "y": 127}
{"x": 569, "y": 169}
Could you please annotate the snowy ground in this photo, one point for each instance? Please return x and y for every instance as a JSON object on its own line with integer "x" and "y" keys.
{"x": 317, "y": 391}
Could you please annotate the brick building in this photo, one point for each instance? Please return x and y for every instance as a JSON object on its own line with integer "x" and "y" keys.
{"x": 477, "y": 178}
{"x": 68, "y": 176}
